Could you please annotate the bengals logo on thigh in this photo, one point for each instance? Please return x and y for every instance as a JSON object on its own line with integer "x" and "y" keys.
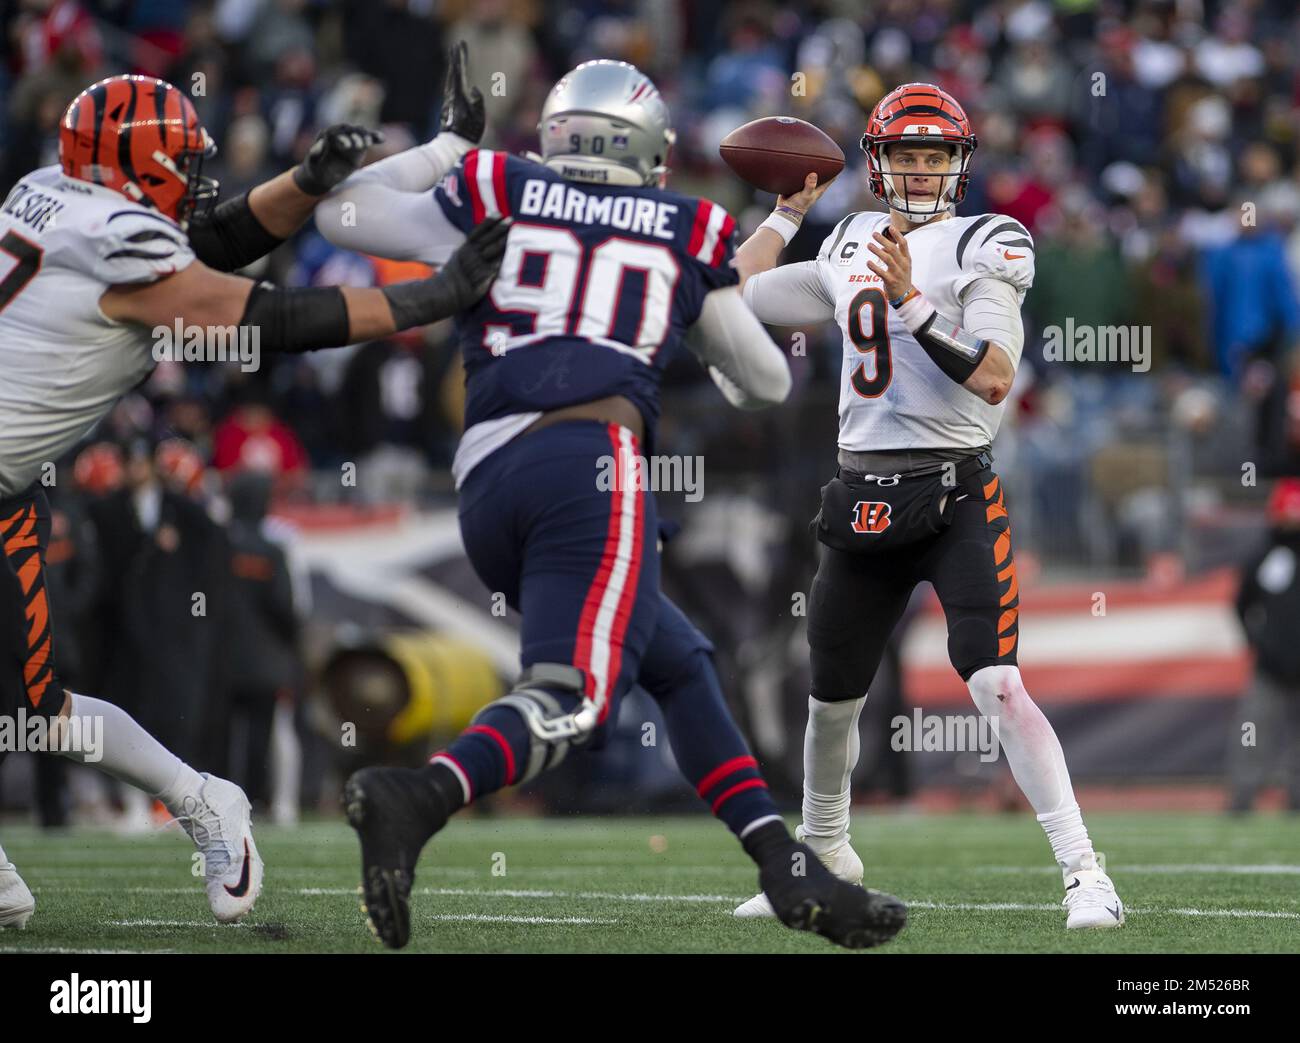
{"x": 870, "y": 516}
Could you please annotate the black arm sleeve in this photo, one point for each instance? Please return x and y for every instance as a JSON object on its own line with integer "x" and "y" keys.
{"x": 231, "y": 236}
{"x": 296, "y": 319}
{"x": 954, "y": 351}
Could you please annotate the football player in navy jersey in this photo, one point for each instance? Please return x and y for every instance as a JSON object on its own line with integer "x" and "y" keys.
{"x": 604, "y": 272}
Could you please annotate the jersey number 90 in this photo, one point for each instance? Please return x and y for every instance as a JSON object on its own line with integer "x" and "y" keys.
{"x": 541, "y": 275}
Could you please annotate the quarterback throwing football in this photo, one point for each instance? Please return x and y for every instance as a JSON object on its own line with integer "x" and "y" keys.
{"x": 929, "y": 304}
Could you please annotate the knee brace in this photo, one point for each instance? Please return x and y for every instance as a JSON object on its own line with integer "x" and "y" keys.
{"x": 551, "y": 729}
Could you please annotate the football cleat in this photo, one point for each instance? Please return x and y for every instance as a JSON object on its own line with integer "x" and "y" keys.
{"x": 217, "y": 819}
{"x": 839, "y": 858}
{"x": 816, "y": 900}
{"x": 394, "y": 812}
{"x": 16, "y": 901}
{"x": 1091, "y": 900}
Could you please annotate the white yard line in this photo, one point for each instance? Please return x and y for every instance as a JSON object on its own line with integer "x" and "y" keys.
{"x": 994, "y": 907}
{"x": 84, "y": 952}
{"x": 172, "y": 923}
{"x": 1037, "y": 907}
{"x": 1262, "y": 869}
{"x": 501, "y": 892}
{"x": 482, "y": 918}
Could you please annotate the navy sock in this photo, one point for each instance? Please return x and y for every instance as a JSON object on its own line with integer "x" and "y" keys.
{"x": 709, "y": 748}
{"x": 489, "y": 755}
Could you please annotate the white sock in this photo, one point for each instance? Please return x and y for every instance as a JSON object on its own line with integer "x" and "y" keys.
{"x": 830, "y": 752}
{"x": 1034, "y": 753}
{"x": 1069, "y": 839}
{"x": 133, "y": 755}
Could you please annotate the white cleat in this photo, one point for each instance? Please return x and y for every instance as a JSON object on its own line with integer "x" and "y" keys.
{"x": 217, "y": 820}
{"x": 1091, "y": 900}
{"x": 840, "y": 859}
{"x": 16, "y": 901}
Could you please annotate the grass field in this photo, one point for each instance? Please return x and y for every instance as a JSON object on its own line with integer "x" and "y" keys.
{"x": 975, "y": 883}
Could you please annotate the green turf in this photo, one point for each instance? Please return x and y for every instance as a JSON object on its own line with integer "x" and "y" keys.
{"x": 668, "y": 885}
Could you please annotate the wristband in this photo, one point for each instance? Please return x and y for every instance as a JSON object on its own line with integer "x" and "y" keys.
{"x": 953, "y": 350}
{"x": 914, "y": 309}
{"x": 783, "y": 226}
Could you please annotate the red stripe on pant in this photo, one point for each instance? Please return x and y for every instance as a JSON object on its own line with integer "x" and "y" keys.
{"x": 611, "y": 651}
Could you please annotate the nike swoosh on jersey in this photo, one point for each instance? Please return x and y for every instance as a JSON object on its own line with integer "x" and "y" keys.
{"x": 1008, "y": 255}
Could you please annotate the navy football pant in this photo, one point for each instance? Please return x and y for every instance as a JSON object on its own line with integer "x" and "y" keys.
{"x": 580, "y": 561}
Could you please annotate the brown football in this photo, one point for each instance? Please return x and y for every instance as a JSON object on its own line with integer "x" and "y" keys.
{"x": 776, "y": 153}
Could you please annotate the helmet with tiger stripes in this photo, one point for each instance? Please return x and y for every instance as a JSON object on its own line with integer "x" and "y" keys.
{"x": 918, "y": 114}
{"x": 141, "y": 137}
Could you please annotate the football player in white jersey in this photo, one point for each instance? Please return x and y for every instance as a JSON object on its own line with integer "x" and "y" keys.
{"x": 95, "y": 254}
{"x": 929, "y": 304}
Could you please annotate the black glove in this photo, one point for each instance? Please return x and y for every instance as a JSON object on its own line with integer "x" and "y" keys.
{"x": 462, "y": 103}
{"x": 336, "y": 153}
{"x": 458, "y": 285}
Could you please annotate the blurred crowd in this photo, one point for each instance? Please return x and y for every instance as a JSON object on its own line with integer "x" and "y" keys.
{"x": 1150, "y": 146}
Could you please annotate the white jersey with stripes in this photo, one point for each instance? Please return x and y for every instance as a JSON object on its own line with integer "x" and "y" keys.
{"x": 63, "y": 363}
{"x": 893, "y": 396}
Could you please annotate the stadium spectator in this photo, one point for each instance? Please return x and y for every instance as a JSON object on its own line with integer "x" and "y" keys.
{"x": 1266, "y": 732}
{"x": 261, "y": 623}
{"x": 161, "y": 585}
{"x": 252, "y": 437}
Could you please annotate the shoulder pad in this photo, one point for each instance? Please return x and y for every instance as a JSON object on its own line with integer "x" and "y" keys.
{"x": 998, "y": 247}
{"x": 124, "y": 244}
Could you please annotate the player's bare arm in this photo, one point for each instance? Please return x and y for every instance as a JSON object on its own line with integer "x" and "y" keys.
{"x": 304, "y": 319}
{"x": 241, "y": 230}
{"x": 762, "y": 250}
{"x": 284, "y": 203}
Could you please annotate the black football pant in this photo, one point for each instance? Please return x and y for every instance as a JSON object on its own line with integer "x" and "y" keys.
{"x": 858, "y": 599}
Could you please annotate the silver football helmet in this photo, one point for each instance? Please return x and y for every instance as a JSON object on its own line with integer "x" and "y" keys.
{"x": 605, "y": 122}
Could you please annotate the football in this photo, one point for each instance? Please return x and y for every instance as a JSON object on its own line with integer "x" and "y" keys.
{"x": 776, "y": 154}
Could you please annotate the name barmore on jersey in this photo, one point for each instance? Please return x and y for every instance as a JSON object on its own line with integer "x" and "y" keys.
{"x": 892, "y": 395}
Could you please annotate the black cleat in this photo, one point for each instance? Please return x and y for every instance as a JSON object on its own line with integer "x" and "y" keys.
{"x": 808, "y": 897}
{"x": 394, "y": 811}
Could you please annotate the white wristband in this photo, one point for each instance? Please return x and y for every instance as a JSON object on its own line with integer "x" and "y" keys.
{"x": 782, "y": 226}
{"x": 916, "y": 312}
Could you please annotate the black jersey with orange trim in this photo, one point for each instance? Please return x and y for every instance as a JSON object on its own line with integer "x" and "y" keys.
{"x": 597, "y": 288}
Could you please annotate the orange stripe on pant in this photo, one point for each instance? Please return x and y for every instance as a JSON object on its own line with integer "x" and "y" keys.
{"x": 37, "y": 665}
{"x": 1004, "y": 563}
